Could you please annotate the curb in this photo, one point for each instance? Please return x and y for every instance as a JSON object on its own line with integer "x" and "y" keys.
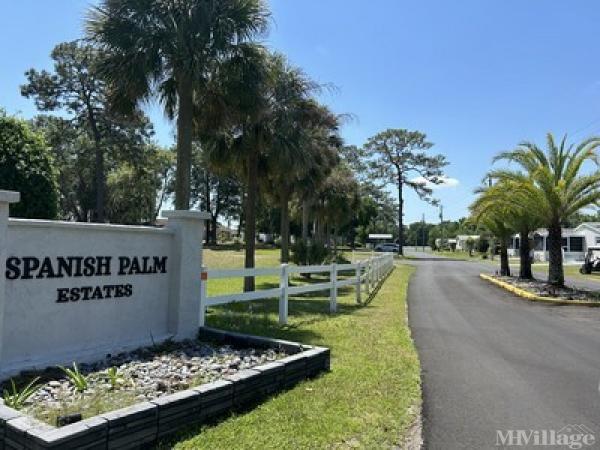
{"x": 536, "y": 298}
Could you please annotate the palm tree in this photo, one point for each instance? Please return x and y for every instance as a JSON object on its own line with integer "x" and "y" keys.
{"x": 518, "y": 201}
{"x": 488, "y": 211}
{"x": 167, "y": 47}
{"x": 336, "y": 201}
{"x": 326, "y": 145}
{"x": 559, "y": 186}
{"x": 254, "y": 109}
{"x": 300, "y": 158}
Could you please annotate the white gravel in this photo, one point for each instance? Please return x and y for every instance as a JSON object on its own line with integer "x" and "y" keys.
{"x": 148, "y": 375}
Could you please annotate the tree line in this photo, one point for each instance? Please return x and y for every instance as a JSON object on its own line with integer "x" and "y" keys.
{"x": 251, "y": 133}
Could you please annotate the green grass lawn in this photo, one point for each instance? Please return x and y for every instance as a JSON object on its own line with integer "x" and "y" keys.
{"x": 367, "y": 399}
{"x": 571, "y": 270}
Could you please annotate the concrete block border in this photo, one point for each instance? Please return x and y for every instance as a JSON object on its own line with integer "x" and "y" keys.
{"x": 146, "y": 422}
{"x": 535, "y": 298}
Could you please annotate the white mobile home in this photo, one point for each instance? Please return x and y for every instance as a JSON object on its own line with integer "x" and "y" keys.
{"x": 461, "y": 240}
{"x": 576, "y": 241}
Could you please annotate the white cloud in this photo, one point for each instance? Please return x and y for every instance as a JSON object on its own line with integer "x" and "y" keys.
{"x": 446, "y": 183}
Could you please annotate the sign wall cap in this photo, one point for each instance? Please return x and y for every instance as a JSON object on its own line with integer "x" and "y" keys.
{"x": 191, "y": 215}
{"x": 9, "y": 196}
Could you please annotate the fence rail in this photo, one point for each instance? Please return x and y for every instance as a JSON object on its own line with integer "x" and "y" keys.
{"x": 364, "y": 276}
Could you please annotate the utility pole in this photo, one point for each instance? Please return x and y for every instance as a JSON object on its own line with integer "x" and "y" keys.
{"x": 442, "y": 223}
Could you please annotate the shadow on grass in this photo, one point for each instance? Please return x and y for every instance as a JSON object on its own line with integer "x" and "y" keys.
{"x": 261, "y": 316}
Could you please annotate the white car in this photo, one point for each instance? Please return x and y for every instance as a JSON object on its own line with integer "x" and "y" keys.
{"x": 389, "y": 248}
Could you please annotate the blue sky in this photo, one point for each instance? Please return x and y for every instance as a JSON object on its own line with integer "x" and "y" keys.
{"x": 476, "y": 76}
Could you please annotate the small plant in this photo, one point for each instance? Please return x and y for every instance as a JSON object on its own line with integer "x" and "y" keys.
{"x": 76, "y": 378}
{"x": 114, "y": 377}
{"x": 16, "y": 398}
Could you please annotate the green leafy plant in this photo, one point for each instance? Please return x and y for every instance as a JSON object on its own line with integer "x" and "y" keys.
{"x": 16, "y": 398}
{"x": 76, "y": 378}
{"x": 114, "y": 377}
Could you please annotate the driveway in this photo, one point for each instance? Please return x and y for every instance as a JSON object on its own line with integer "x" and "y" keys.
{"x": 492, "y": 361}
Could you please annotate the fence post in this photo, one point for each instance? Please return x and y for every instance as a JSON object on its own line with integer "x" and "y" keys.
{"x": 333, "y": 289}
{"x": 203, "y": 296}
{"x": 358, "y": 281}
{"x": 372, "y": 273}
{"x": 368, "y": 276}
{"x": 283, "y": 297}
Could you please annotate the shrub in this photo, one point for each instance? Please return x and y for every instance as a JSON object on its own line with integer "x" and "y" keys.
{"x": 26, "y": 166}
{"x": 309, "y": 253}
{"x": 483, "y": 245}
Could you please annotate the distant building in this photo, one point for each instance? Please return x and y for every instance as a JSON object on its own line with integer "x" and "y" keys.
{"x": 450, "y": 243}
{"x": 374, "y": 238}
{"x": 461, "y": 241}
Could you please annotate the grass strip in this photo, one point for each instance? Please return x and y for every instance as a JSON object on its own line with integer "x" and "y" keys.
{"x": 367, "y": 400}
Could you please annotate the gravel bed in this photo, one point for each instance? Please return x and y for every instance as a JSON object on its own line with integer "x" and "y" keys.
{"x": 544, "y": 289}
{"x": 143, "y": 374}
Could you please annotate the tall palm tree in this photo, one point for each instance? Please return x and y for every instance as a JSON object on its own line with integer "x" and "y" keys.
{"x": 560, "y": 187}
{"x": 300, "y": 158}
{"x": 254, "y": 110}
{"x": 488, "y": 211}
{"x": 167, "y": 47}
{"x": 518, "y": 201}
{"x": 336, "y": 201}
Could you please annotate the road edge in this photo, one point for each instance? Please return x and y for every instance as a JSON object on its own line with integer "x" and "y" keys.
{"x": 413, "y": 437}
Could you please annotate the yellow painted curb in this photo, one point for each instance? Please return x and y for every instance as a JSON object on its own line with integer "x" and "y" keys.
{"x": 535, "y": 298}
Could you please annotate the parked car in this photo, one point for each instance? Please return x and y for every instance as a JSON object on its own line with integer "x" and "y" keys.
{"x": 388, "y": 248}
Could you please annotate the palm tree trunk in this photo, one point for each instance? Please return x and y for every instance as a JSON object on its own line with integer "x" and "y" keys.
{"x": 285, "y": 226}
{"x": 335, "y": 242}
{"x": 99, "y": 175}
{"x": 525, "y": 269}
{"x": 213, "y": 230}
{"x": 304, "y": 220}
{"x": 504, "y": 265}
{"x": 184, "y": 144}
{"x": 250, "y": 216}
{"x": 556, "y": 276}
{"x": 100, "y": 183}
{"x": 207, "y": 206}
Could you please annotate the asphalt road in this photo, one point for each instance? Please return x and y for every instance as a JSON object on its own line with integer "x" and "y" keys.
{"x": 491, "y": 361}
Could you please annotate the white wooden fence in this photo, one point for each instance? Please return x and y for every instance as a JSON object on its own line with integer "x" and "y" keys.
{"x": 367, "y": 275}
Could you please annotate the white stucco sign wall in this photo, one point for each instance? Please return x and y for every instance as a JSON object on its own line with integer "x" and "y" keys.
{"x": 75, "y": 292}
